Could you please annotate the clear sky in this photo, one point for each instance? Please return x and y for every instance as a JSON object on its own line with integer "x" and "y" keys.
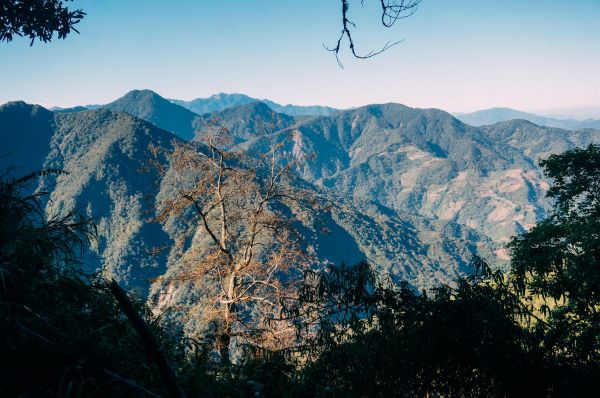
{"x": 458, "y": 55}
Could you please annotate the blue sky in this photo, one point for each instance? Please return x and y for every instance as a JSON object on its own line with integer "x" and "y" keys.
{"x": 458, "y": 55}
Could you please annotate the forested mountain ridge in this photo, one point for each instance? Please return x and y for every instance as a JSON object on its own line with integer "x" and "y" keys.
{"x": 426, "y": 162}
{"x": 243, "y": 122}
{"x": 452, "y": 189}
{"x": 106, "y": 155}
{"x": 538, "y": 142}
{"x": 110, "y": 181}
{"x": 200, "y": 106}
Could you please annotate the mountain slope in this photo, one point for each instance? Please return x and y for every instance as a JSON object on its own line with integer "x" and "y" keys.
{"x": 420, "y": 161}
{"x": 301, "y": 110}
{"x": 106, "y": 153}
{"x": 414, "y": 191}
{"x": 214, "y": 103}
{"x": 151, "y": 107}
{"x": 243, "y": 122}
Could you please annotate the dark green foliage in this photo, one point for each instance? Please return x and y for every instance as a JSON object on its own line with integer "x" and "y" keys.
{"x": 362, "y": 336}
{"x": 381, "y": 340}
{"x": 61, "y": 331}
{"x": 559, "y": 259}
{"x": 37, "y": 19}
{"x": 358, "y": 334}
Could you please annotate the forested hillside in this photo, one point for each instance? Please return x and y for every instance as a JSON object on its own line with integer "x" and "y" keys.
{"x": 111, "y": 181}
{"x": 531, "y": 331}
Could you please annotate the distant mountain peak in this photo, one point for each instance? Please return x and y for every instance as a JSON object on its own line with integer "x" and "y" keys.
{"x": 144, "y": 94}
{"x": 517, "y": 123}
{"x": 150, "y": 106}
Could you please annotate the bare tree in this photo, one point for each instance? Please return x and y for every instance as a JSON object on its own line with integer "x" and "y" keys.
{"x": 243, "y": 249}
{"x": 391, "y": 11}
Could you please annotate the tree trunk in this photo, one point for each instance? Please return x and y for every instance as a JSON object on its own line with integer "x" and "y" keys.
{"x": 150, "y": 344}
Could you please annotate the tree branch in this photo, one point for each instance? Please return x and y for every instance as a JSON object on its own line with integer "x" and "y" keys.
{"x": 153, "y": 349}
{"x": 391, "y": 11}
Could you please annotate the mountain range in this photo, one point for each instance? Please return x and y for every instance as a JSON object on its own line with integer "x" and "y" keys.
{"x": 221, "y": 101}
{"x": 106, "y": 156}
{"x": 214, "y": 103}
{"x": 416, "y": 192}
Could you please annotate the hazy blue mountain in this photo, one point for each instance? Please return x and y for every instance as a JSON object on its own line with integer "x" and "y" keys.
{"x": 151, "y": 107}
{"x": 301, "y": 110}
{"x": 495, "y": 115}
{"x": 221, "y": 101}
{"x": 538, "y": 142}
{"x": 216, "y": 102}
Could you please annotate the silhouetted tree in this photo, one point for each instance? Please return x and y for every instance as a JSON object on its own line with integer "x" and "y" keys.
{"x": 364, "y": 336}
{"x": 37, "y": 19}
{"x": 62, "y": 333}
{"x": 556, "y": 265}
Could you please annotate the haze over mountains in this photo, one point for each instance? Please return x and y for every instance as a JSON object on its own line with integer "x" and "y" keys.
{"x": 221, "y": 101}
{"x": 495, "y": 115}
{"x": 416, "y": 192}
